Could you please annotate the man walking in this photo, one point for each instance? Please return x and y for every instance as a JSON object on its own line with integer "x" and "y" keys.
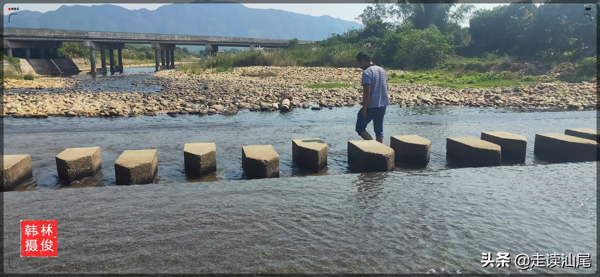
{"x": 375, "y": 98}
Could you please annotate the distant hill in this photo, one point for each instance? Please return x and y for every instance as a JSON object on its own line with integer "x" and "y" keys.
{"x": 232, "y": 20}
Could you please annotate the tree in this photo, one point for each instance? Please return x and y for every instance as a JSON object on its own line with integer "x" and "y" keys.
{"x": 423, "y": 48}
{"x": 376, "y": 12}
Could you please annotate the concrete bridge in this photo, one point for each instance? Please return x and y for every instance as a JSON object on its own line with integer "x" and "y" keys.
{"x": 45, "y": 44}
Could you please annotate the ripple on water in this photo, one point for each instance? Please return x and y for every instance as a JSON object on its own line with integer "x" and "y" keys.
{"x": 395, "y": 222}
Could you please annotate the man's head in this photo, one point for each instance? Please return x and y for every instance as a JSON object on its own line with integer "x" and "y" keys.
{"x": 364, "y": 61}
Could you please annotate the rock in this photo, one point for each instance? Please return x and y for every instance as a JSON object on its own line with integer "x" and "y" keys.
{"x": 310, "y": 153}
{"x": 212, "y": 111}
{"x": 370, "y": 156}
{"x": 136, "y": 167}
{"x": 513, "y": 147}
{"x": 200, "y": 159}
{"x": 285, "y": 105}
{"x": 230, "y": 111}
{"x": 411, "y": 150}
{"x": 585, "y": 133}
{"x": 74, "y": 164}
{"x": 565, "y": 148}
{"x": 468, "y": 151}
{"x": 260, "y": 161}
{"x": 203, "y": 112}
{"x": 316, "y": 108}
{"x": 217, "y": 108}
{"x": 16, "y": 170}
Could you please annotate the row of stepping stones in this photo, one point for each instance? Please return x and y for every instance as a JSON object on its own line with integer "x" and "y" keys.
{"x": 262, "y": 161}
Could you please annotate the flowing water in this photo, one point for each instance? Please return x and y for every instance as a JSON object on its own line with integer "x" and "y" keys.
{"x": 432, "y": 220}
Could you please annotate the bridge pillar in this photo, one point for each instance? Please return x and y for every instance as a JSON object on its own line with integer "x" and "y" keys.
{"x": 103, "y": 59}
{"x": 111, "y": 60}
{"x": 27, "y": 53}
{"x": 93, "y": 60}
{"x": 211, "y": 49}
{"x": 9, "y": 52}
{"x": 172, "y": 59}
{"x": 162, "y": 58}
{"x": 120, "y": 54}
{"x": 167, "y": 58}
{"x": 157, "y": 58}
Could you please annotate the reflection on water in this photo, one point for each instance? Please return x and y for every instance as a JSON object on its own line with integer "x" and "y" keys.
{"x": 84, "y": 75}
{"x": 395, "y": 222}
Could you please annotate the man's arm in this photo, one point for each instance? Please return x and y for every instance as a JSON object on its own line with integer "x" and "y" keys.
{"x": 366, "y": 94}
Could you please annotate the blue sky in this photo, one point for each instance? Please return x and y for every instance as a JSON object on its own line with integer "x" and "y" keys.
{"x": 343, "y": 11}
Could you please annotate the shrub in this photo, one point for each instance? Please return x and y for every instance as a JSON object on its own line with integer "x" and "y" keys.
{"x": 28, "y": 77}
{"x": 420, "y": 49}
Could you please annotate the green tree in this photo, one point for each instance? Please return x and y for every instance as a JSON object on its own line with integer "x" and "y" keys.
{"x": 419, "y": 49}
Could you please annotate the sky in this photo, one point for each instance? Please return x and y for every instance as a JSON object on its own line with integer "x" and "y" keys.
{"x": 342, "y": 11}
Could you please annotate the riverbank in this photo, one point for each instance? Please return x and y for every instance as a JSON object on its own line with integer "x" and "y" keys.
{"x": 263, "y": 88}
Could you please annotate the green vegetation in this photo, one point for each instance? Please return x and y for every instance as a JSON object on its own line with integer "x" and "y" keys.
{"x": 414, "y": 36}
{"x": 28, "y": 77}
{"x": 467, "y": 79}
{"x": 15, "y": 62}
{"x": 330, "y": 85}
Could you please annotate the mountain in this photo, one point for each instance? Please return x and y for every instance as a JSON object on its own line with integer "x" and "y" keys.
{"x": 231, "y": 20}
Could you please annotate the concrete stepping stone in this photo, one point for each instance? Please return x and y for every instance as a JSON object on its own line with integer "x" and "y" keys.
{"x": 411, "y": 150}
{"x": 469, "y": 151}
{"x": 136, "y": 167}
{"x": 260, "y": 161}
{"x": 514, "y": 147}
{"x": 200, "y": 159}
{"x": 309, "y": 153}
{"x": 370, "y": 156}
{"x": 565, "y": 148}
{"x": 16, "y": 169}
{"x": 77, "y": 163}
{"x": 585, "y": 133}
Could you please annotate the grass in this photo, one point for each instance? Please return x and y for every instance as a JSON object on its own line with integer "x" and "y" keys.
{"x": 11, "y": 75}
{"x": 15, "y": 62}
{"x": 330, "y": 85}
{"x": 471, "y": 79}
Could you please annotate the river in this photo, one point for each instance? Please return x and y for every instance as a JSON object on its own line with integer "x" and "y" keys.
{"x": 433, "y": 220}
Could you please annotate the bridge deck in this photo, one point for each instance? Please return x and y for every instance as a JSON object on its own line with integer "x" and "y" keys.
{"x": 140, "y": 38}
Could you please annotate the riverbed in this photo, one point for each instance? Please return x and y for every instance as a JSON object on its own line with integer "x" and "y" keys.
{"x": 433, "y": 220}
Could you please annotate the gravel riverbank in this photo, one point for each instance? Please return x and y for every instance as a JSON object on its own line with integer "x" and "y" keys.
{"x": 228, "y": 92}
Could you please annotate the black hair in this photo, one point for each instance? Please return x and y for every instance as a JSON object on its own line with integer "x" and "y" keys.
{"x": 363, "y": 57}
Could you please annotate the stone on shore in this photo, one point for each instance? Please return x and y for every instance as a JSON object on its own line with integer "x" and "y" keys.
{"x": 411, "y": 150}
{"x": 370, "y": 156}
{"x": 77, "y": 163}
{"x": 16, "y": 169}
{"x": 200, "y": 159}
{"x": 260, "y": 161}
{"x": 513, "y": 147}
{"x": 565, "y": 148}
{"x": 468, "y": 151}
{"x": 585, "y": 133}
{"x": 285, "y": 105}
{"x": 136, "y": 167}
{"x": 310, "y": 153}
